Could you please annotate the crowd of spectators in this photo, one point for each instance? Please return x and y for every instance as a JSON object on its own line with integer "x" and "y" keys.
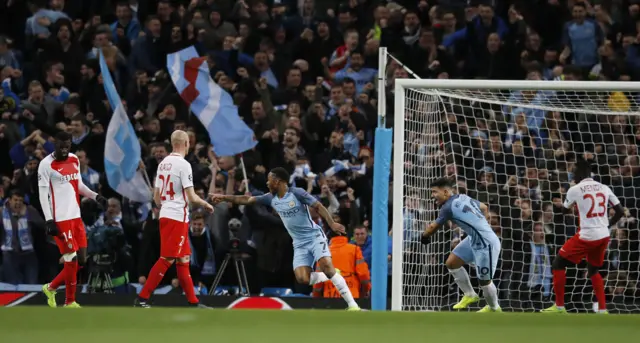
{"x": 303, "y": 75}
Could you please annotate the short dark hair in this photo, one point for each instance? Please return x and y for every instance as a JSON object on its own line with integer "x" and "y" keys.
{"x": 49, "y": 65}
{"x": 16, "y": 193}
{"x": 348, "y": 80}
{"x": 357, "y": 51}
{"x": 442, "y": 182}
{"x": 572, "y": 70}
{"x": 534, "y": 67}
{"x": 152, "y": 17}
{"x": 164, "y": 145}
{"x": 580, "y": 4}
{"x": 63, "y": 136}
{"x": 280, "y": 173}
{"x": 582, "y": 170}
{"x": 197, "y": 216}
{"x": 295, "y": 129}
{"x": 80, "y": 118}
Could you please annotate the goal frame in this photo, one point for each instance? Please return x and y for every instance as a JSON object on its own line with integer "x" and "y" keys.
{"x": 401, "y": 85}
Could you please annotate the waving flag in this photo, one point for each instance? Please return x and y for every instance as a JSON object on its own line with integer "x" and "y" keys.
{"x": 339, "y": 166}
{"x": 122, "y": 149}
{"x": 210, "y": 103}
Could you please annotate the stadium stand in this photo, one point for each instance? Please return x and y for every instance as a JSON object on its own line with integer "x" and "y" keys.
{"x": 302, "y": 73}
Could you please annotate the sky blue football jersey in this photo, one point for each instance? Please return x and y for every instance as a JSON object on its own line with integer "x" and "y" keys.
{"x": 293, "y": 209}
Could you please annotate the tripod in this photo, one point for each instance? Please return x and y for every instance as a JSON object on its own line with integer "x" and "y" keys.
{"x": 241, "y": 274}
{"x": 100, "y": 275}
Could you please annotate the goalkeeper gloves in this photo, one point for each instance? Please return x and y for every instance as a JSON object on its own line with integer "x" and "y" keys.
{"x": 425, "y": 239}
{"x": 102, "y": 201}
{"x": 52, "y": 228}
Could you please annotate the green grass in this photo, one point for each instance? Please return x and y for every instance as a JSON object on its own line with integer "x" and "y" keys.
{"x": 177, "y": 325}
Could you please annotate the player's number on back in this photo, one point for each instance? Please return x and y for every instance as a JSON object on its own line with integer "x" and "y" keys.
{"x": 598, "y": 205}
{"x": 474, "y": 208}
{"x": 167, "y": 186}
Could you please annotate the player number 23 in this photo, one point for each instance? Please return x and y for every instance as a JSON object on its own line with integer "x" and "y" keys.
{"x": 598, "y": 205}
{"x": 168, "y": 186}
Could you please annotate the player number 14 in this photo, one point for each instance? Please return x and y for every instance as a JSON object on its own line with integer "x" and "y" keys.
{"x": 168, "y": 186}
{"x": 67, "y": 235}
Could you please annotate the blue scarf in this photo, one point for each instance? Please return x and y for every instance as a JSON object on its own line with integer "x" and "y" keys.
{"x": 80, "y": 138}
{"x": 26, "y": 243}
{"x": 209, "y": 267}
{"x": 99, "y": 222}
{"x": 540, "y": 268}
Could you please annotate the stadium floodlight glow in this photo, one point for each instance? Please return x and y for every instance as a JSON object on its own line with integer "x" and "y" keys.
{"x": 449, "y": 127}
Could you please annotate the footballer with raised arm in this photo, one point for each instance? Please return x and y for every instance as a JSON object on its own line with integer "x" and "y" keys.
{"x": 309, "y": 241}
{"x": 173, "y": 193}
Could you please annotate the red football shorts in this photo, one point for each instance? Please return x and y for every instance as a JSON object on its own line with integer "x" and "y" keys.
{"x": 72, "y": 236}
{"x": 575, "y": 249}
{"x": 174, "y": 238}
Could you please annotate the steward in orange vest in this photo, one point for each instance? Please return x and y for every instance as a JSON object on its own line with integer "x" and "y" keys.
{"x": 348, "y": 258}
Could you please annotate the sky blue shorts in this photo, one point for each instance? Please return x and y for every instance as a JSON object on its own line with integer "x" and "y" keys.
{"x": 484, "y": 258}
{"x": 307, "y": 254}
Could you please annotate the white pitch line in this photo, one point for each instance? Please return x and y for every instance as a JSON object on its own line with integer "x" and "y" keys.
{"x": 23, "y": 299}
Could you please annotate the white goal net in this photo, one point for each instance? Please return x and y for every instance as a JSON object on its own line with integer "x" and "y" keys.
{"x": 512, "y": 145}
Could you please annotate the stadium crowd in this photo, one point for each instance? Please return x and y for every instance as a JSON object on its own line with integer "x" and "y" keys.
{"x": 303, "y": 74}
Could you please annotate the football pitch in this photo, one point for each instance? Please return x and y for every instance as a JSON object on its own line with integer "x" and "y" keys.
{"x": 97, "y": 325}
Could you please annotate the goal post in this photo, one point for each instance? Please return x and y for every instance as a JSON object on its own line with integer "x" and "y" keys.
{"x": 512, "y": 145}
{"x": 380, "y": 206}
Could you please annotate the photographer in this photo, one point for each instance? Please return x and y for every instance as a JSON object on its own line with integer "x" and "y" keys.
{"x": 203, "y": 258}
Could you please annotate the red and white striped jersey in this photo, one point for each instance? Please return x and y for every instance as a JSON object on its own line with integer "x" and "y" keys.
{"x": 62, "y": 178}
{"x": 174, "y": 176}
{"x": 591, "y": 199}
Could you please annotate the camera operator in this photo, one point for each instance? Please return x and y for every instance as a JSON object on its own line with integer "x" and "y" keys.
{"x": 203, "y": 258}
{"x": 113, "y": 213}
{"x": 108, "y": 252}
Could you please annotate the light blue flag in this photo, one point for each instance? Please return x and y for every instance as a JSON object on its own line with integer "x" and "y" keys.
{"x": 212, "y": 105}
{"x": 122, "y": 149}
{"x": 340, "y": 165}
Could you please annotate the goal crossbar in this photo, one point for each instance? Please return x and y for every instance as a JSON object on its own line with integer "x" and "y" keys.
{"x": 611, "y": 86}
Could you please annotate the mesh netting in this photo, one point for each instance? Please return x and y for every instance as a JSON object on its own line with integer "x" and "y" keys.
{"x": 514, "y": 151}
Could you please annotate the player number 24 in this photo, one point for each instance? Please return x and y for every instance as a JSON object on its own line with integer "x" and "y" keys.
{"x": 168, "y": 186}
{"x": 598, "y": 205}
